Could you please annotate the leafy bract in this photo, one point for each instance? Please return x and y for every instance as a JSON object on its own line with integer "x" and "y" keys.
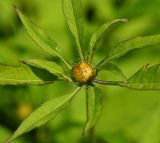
{"x": 43, "y": 40}
{"x": 74, "y": 17}
{"x": 43, "y": 114}
{"x": 147, "y": 78}
{"x": 96, "y": 36}
{"x": 128, "y": 45}
{"x": 94, "y": 107}
{"x": 113, "y": 68}
{"x": 50, "y": 66}
{"x": 23, "y": 74}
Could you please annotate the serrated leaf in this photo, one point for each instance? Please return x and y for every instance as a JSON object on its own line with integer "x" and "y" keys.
{"x": 23, "y": 74}
{"x": 44, "y": 113}
{"x": 147, "y": 78}
{"x": 94, "y": 107}
{"x": 50, "y": 66}
{"x": 43, "y": 40}
{"x": 113, "y": 68}
{"x": 74, "y": 17}
{"x": 96, "y": 36}
{"x": 134, "y": 43}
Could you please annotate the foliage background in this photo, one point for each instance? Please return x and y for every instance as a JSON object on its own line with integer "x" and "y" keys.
{"x": 128, "y": 116}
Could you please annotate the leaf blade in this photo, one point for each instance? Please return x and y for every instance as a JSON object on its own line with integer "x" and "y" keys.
{"x": 44, "y": 113}
{"x": 96, "y": 36}
{"x": 131, "y": 44}
{"x": 73, "y": 13}
{"x": 50, "y": 66}
{"x": 114, "y": 69}
{"x": 94, "y": 107}
{"x": 44, "y": 41}
{"x": 23, "y": 74}
{"x": 147, "y": 78}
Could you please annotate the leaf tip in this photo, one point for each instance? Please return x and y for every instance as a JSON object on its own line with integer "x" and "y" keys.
{"x": 84, "y": 132}
{"x": 7, "y": 141}
{"x": 15, "y": 7}
{"x": 23, "y": 62}
{"x": 125, "y": 20}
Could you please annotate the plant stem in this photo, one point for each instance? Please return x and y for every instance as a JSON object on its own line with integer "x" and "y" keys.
{"x": 87, "y": 101}
{"x": 91, "y": 136}
{"x": 66, "y": 78}
{"x": 116, "y": 83}
{"x": 90, "y": 58}
{"x": 80, "y": 53}
{"x": 91, "y": 131}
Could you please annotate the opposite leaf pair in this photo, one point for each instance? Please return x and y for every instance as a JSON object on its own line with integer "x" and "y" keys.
{"x": 38, "y": 72}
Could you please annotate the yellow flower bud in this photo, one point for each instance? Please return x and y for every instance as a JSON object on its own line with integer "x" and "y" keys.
{"x": 83, "y": 73}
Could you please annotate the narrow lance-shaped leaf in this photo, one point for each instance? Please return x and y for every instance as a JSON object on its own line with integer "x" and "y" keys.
{"x": 23, "y": 74}
{"x": 74, "y": 17}
{"x": 43, "y": 114}
{"x": 96, "y": 36}
{"x": 50, "y": 66}
{"x": 114, "y": 69}
{"x": 128, "y": 45}
{"x": 94, "y": 107}
{"x": 147, "y": 78}
{"x": 43, "y": 40}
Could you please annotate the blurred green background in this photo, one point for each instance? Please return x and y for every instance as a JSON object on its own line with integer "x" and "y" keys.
{"x": 128, "y": 116}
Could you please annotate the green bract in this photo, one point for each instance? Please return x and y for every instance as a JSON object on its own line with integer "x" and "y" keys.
{"x": 38, "y": 71}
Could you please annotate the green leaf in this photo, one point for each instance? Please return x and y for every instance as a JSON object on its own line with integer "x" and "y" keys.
{"x": 96, "y": 36}
{"x": 50, "y": 66}
{"x": 74, "y": 17}
{"x": 128, "y": 45}
{"x": 147, "y": 78}
{"x": 94, "y": 107}
{"x": 43, "y": 114}
{"x": 113, "y": 68}
{"x": 5, "y": 132}
{"x": 43, "y": 40}
{"x": 23, "y": 74}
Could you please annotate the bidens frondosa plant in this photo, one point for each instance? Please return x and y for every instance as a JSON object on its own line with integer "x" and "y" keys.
{"x": 83, "y": 74}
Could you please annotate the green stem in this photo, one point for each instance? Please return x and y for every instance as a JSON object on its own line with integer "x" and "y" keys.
{"x": 90, "y": 58}
{"x": 87, "y": 100}
{"x": 91, "y": 131}
{"x": 92, "y": 136}
{"x": 67, "y": 78}
{"x": 80, "y": 52}
{"x": 115, "y": 83}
